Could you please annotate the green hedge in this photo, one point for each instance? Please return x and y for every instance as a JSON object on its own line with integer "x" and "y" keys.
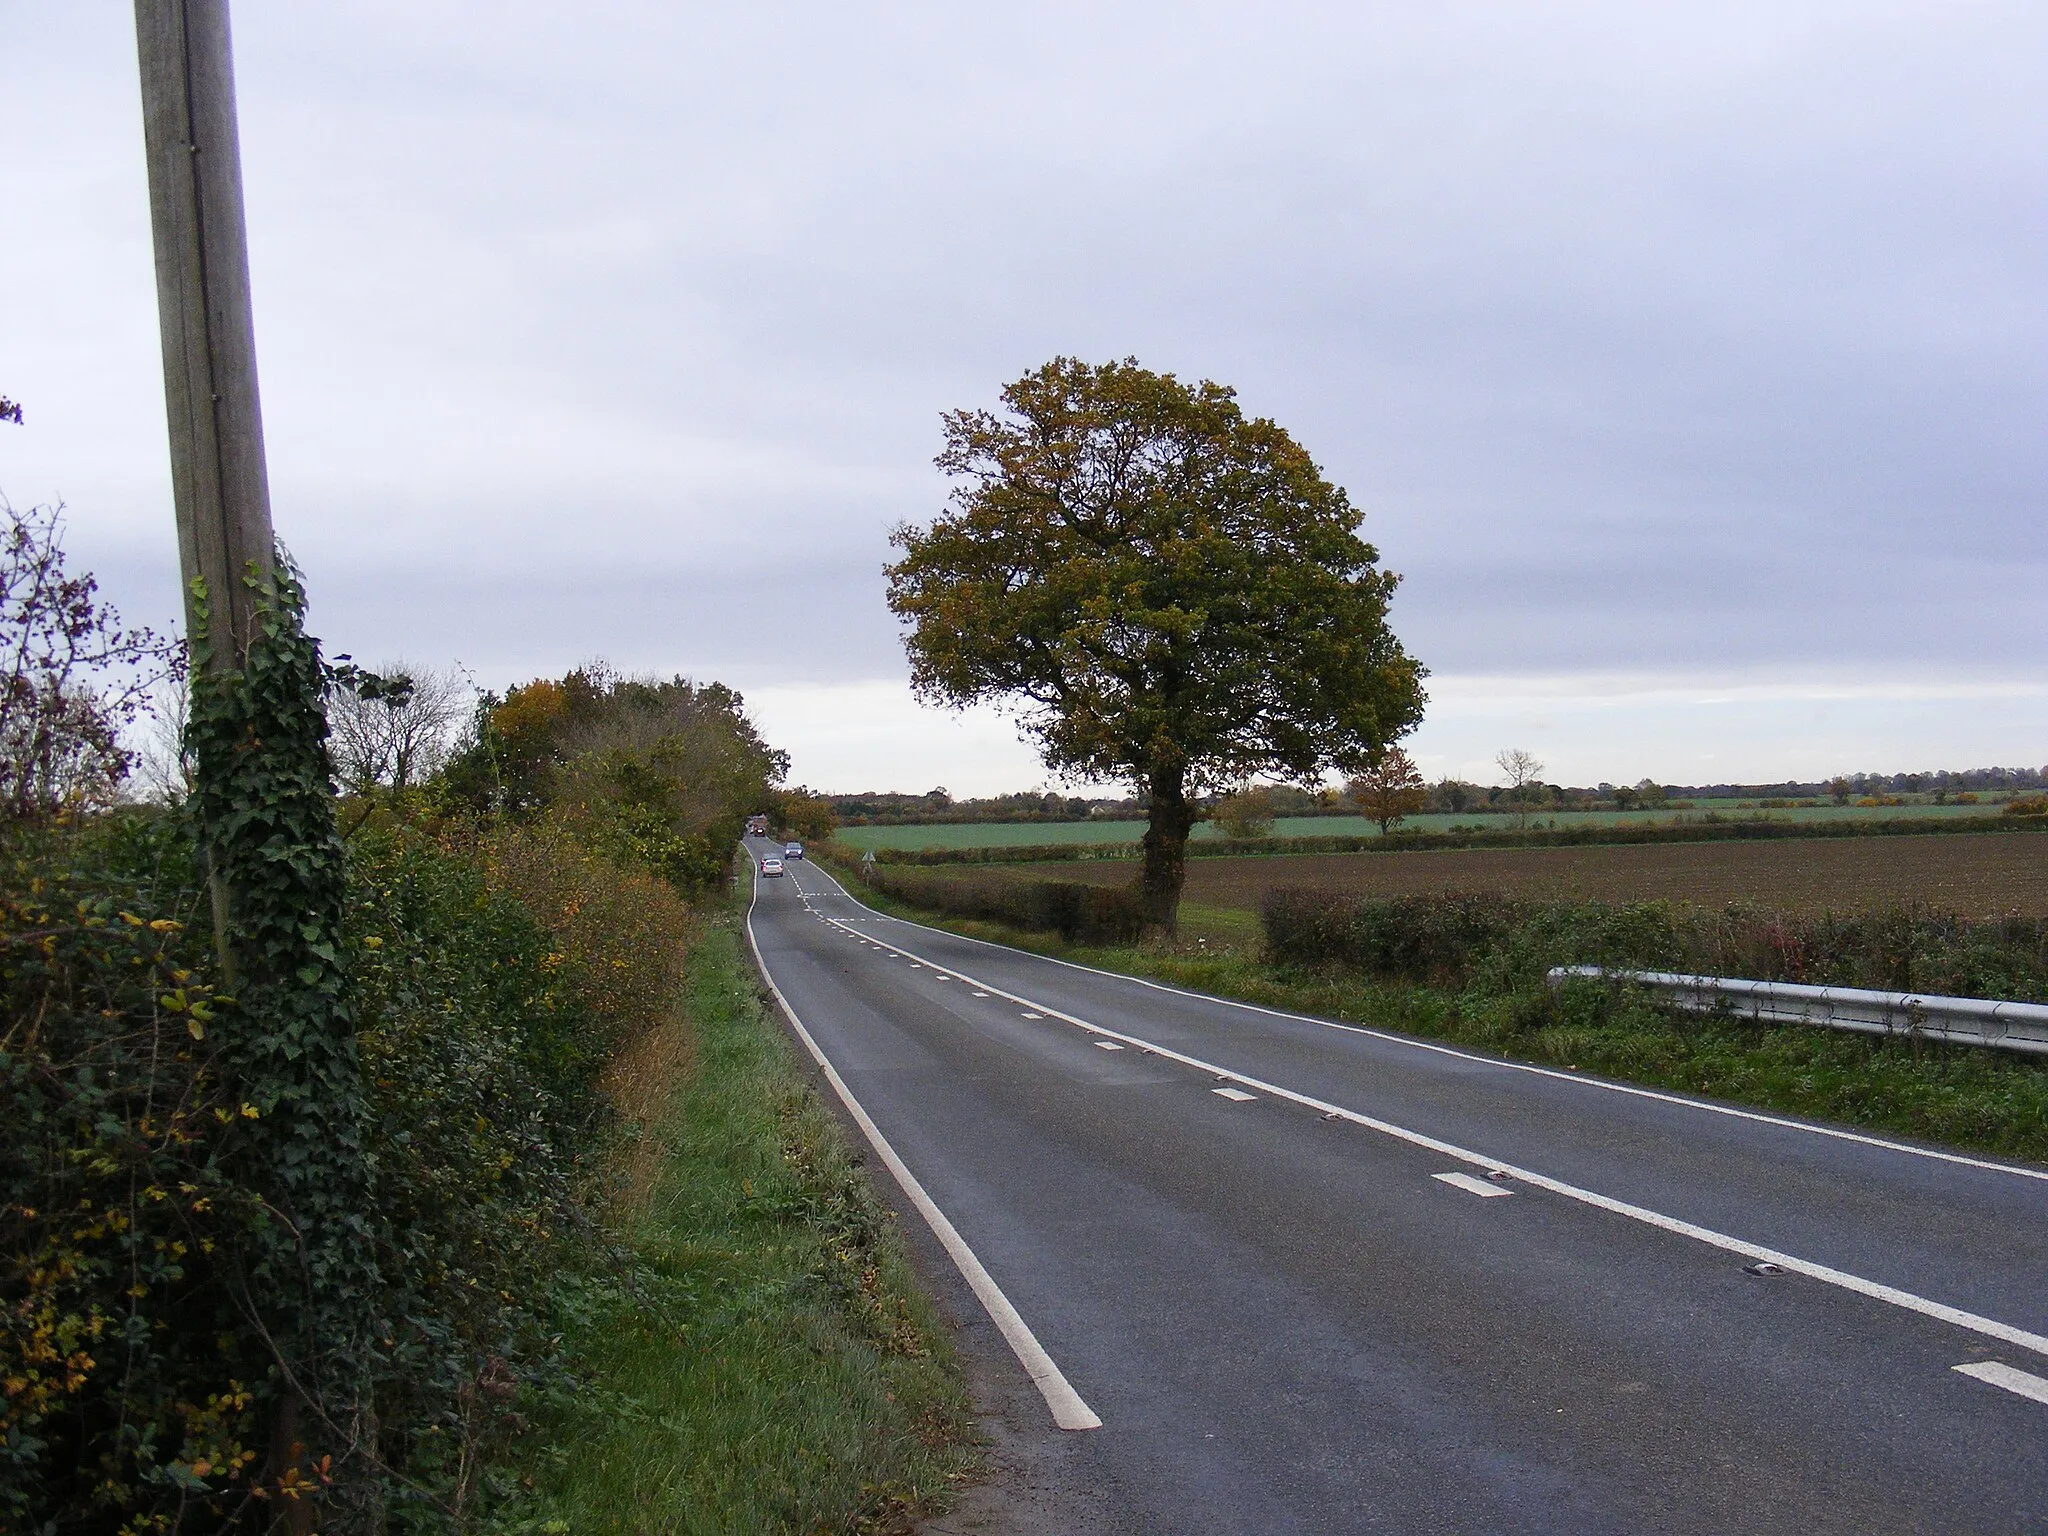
{"x": 1075, "y": 910}
{"x": 135, "y": 1271}
{"x": 1511, "y": 942}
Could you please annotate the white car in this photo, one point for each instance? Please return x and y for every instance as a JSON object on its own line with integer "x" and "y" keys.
{"x": 771, "y": 866}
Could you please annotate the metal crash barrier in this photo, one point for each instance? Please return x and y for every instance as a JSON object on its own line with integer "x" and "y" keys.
{"x": 1958, "y": 1020}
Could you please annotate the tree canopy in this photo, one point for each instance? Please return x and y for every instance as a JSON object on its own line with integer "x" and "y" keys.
{"x": 1170, "y": 592}
{"x": 660, "y": 773}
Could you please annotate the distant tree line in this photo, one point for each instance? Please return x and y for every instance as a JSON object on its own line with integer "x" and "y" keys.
{"x": 1447, "y": 796}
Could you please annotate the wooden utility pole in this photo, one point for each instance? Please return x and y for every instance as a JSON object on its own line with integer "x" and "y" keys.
{"x": 306, "y": 1155}
{"x": 218, "y": 478}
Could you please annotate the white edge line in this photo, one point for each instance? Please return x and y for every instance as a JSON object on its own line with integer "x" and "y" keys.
{"x": 1999, "y": 1374}
{"x": 1068, "y": 1409}
{"x": 1742, "y": 1247}
{"x": 1581, "y": 1079}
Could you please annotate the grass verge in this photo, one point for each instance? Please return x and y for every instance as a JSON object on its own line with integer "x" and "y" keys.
{"x": 762, "y": 1360}
{"x": 1961, "y": 1096}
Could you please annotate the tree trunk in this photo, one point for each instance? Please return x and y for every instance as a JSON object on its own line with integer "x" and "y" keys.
{"x": 1166, "y": 850}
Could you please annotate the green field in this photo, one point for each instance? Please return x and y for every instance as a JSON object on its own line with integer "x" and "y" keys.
{"x": 1047, "y": 833}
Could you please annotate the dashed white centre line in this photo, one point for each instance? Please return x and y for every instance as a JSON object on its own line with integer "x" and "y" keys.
{"x": 981, "y": 994}
{"x": 1999, "y": 1374}
{"x": 1107, "y": 1045}
{"x": 1470, "y": 1185}
{"x": 1236, "y": 1095}
{"x": 1728, "y": 1243}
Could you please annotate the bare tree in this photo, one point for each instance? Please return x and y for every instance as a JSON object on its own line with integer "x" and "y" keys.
{"x": 72, "y": 680}
{"x": 398, "y": 734}
{"x": 1522, "y": 769}
{"x": 163, "y": 768}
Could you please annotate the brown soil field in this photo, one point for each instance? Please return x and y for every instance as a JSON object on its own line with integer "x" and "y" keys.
{"x": 1976, "y": 876}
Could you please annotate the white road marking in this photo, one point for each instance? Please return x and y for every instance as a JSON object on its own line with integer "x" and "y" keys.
{"x": 1857, "y": 1284}
{"x": 1999, "y": 1374}
{"x": 981, "y": 994}
{"x": 1034, "y": 1015}
{"x": 1068, "y": 1409}
{"x": 1237, "y": 1094}
{"x": 1107, "y": 1045}
{"x": 1631, "y": 1090}
{"x": 1470, "y": 1185}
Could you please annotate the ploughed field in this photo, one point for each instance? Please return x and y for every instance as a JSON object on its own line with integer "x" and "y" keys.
{"x": 1974, "y": 875}
{"x": 1019, "y": 834}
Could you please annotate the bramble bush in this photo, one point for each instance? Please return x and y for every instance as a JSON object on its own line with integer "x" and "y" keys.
{"x": 495, "y": 978}
{"x": 127, "y": 1364}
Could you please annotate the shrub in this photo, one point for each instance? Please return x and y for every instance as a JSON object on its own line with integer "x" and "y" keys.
{"x": 627, "y": 930}
{"x": 128, "y": 1369}
{"x": 2031, "y": 805}
{"x": 1078, "y": 912}
{"x": 493, "y": 979}
{"x": 1244, "y": 813}
{"x": 1500, "y": 943}
{"x": 1415, "y": 937}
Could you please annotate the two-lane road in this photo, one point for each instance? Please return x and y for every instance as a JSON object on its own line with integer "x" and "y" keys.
{"x": 1321, "y": 1279}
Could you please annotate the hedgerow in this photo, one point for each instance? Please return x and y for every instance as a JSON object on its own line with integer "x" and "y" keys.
{"x": 310, "y": 1139}
{"x": 136, "y": 1357}
{"x": 1075, "y": 910}
{"x": 1507, "y": 942}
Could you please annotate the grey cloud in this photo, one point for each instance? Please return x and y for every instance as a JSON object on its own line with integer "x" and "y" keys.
{"x": 1641, "y": 335}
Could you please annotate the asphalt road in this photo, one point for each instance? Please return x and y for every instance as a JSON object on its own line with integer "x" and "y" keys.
{"x": 1233, "y": 1239}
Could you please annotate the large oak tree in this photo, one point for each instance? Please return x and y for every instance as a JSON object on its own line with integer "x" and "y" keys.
{"x": 1172, "y": 594}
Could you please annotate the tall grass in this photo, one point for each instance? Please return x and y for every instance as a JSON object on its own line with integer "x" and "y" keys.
{"x": 764, "y": 1363}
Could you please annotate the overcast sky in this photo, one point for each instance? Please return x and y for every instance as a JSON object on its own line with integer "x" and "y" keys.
{"x": 1689, "y": 362}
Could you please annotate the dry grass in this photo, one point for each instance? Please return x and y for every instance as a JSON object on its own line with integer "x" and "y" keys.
{"x": 1975, "y": 876}
{"x": 642, "y": 1081}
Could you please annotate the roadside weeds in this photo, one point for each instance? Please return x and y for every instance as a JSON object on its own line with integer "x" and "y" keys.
{"x": 764, "y": 1361}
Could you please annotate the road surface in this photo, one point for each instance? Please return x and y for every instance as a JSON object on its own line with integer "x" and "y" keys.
{"x": 1304, "y": 1277}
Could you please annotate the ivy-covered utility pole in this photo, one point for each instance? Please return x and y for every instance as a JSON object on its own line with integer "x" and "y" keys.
{"x": 264, "y": 803}
{"x": 218, "y": 476}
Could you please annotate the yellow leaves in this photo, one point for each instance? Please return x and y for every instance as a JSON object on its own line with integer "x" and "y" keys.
{"x": 251, "y": 1112}
{"x": 371, "y": 941}
{"x": 165, "y": 925}
{"x": 131, "y": 920}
